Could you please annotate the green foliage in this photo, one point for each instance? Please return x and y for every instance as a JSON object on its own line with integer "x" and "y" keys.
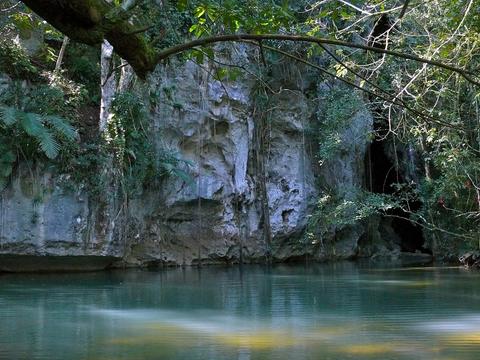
{"x": 451, "y": 200}
{"x": 334, "y": 211}
{"x": 82, "y": 65}
{"x": 252, "y": 16}
{"x": 83, "y": 165}
{"x": 128, "y": 138}
{"x": 446, "y": 145}
{"x": 51, "y": 94}
{"x": 46, "y": 130}
{"x": 60, "y": 96}
{"x": 36, "y": 116}
{"x": 338, "y": 110}
{"x": 15, "y": 62}
{"x": 31, "y": 134}
{"x": 168, "y": 25}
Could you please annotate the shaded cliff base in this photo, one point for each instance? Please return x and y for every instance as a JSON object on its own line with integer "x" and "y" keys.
{"x": 32, "y": 263}
{"x": 45, "y": 264}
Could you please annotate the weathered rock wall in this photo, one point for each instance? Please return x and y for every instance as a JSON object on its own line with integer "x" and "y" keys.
{"x": 255, "y": 181}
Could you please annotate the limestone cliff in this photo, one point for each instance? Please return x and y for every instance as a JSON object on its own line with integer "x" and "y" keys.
{"x": 255, "y": 180}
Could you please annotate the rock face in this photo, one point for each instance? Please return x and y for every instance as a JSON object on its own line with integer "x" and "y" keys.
{"x": 254, "y": 183}
{"x": 39, "y": 217}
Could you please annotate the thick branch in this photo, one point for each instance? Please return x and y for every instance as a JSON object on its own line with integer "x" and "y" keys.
{"x": 301, "y": 38}
{"x": 404, "y": 9}
{"x": 91, "y": 22}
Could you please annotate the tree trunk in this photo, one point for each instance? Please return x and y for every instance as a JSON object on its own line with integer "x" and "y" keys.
{"x": 108, "y": 84}
{"x": 91, "y": 21}
{"x": 61, "y": 54}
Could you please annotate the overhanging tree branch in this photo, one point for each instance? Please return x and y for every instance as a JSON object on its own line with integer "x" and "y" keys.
{"x": 404, "y": 9}
{"x": 93, "y": 21}
{"x": 310, "y": 39}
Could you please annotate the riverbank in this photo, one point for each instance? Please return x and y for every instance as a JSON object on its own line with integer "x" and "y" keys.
{"x": 59, "y": 264}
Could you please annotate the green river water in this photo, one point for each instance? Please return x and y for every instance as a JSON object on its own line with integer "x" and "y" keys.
{"x": 336, "y": 311}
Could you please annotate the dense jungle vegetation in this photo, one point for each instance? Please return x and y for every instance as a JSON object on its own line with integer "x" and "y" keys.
{"x": 414, "y": 63}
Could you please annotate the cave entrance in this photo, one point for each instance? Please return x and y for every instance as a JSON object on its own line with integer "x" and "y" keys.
{"x": 381, "y": 176}
{"x": 378, "y": 35}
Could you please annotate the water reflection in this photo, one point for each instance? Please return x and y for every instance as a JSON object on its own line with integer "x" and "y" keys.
{"x": 336, "y": 311}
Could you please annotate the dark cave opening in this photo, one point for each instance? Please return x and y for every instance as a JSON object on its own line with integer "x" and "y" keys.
{"x": 378, "y": 35}
{"x": 381, "y": 176}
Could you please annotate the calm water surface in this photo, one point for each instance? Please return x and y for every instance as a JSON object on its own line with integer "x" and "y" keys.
{"x": 341, "y": 311}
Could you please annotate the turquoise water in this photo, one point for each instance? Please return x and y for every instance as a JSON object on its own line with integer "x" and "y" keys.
{"x": 340, "y": 311}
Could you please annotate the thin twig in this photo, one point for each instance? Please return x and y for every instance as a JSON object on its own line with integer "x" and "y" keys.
{"x": 382, "y": 97}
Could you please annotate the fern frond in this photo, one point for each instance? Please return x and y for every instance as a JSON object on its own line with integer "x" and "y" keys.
{"x": 62, "y": 126}
{"x": 8, "y": 115}
{"x": 31, "y": 123}
{"x": 33, "y": 126}
{"x": 48, "y": 144}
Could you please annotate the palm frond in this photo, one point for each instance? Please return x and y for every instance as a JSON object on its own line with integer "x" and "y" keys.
{"x": 8, "y": 115}
{"x": 33, "y": 126}
{"x": 48, "y": 144}
{"x": 31, "y": 123}
{"x": 62, "y": 126}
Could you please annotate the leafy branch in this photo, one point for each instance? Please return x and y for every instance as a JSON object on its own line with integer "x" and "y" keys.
{"x": 98, "y": 20}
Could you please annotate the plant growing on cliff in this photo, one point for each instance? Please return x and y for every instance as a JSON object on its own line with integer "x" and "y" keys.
{"x": 36, "y": 110}
{"x": 127, "y": 136}
{"x": 26, "y": 132}
{"x": 335, "y": 212}
{"x": 15, "y": 62}
{"x": 44, "y": 130}
{"x": 337, "y": 111}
